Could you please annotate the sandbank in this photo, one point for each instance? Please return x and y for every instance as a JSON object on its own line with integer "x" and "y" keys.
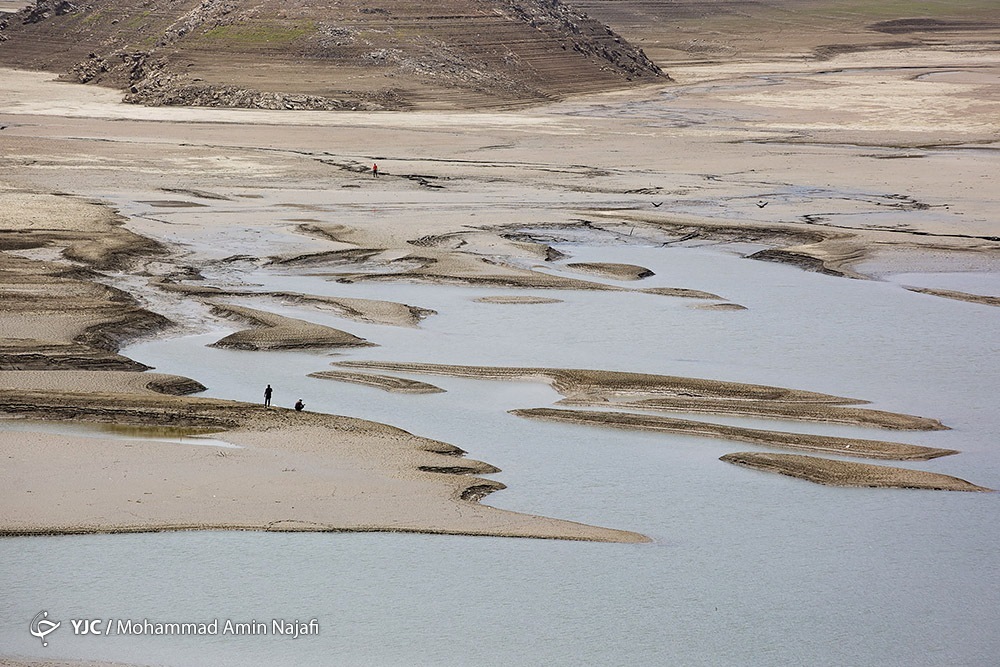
{"x": 612, "y": 270}
{"x": 719, "y": 306}
{"x": 595, "y": 384}
{"x": 373, "y": 311}
{"x": 960, "y": 296}
{"x": 796, "y": 411}
{"x": 515, "y": 299}
{"x": 872, "y": 449}
{"x": 277, "y": 332}
{"x": 848, "y": 473}
{"x": 384, "y": 382}
{"x": 292, "y": 472}
{"x": 680, "y": 292}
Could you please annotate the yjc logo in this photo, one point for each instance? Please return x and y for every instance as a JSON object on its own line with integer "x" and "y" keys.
{"x": 41, "y": 626}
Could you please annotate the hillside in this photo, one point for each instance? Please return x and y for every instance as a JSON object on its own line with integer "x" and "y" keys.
{"x": 325, "y": 54}
{"x": 671, "y": 31}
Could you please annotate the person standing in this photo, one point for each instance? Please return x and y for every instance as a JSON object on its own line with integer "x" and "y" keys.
{"x": 267, "y": 396}
{"x": 375, "y": 170}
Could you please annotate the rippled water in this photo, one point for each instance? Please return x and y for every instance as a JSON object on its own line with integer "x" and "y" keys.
{"x": 746, "y": 568}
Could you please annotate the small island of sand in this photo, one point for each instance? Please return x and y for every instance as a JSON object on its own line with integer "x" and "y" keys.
{"x": 384, "y": 382}
{"x": 847, "y": 473}
{"x": 612, "y": 270}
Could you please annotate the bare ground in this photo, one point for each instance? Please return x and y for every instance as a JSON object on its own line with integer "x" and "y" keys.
{"x": 384, "y": 382}
{"x": 873, "y": 449}
{"x": 846, "y": 473}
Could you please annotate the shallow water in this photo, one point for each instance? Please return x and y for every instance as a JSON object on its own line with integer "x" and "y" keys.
{"x": 746, "y": 567}
{"x": 181, "y": 435}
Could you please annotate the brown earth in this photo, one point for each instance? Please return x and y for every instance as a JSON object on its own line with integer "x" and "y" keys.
{"x": 612, "y": 270}
{"x": 848, "y": 473}
{"x": 396, "y": 54}
{"x": 958, "y": 296}
{"x": 869, "y": 449}
{"x": 514, "y": 299}
{"x": 385, "y": 382}
{"x": 363, "y": 310}
{"x": 776, "y": 409}
{"x": 588, "y": 384}
{"x": 454, "y": 54}
{"x": 53, "y": 313}
{"x": 277, "y": 332}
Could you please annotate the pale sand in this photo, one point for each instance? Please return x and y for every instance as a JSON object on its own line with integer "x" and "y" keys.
{"x": 869, "y": 449}
{"x": 796, "y": 411}
{"x": 372, "y": 311}
{"x": 514, "y": 299}
{"x": 645, "y": 391}
{"x": 612, "y": 270}
{"x": 592, "y": 384}
{"x": 53, "y": 315}
{"x": 846, "y": 473}
{"x": 960, "y": 296}
{"x": 680, "y": 292}
{"x": 293, "y": 471}
{"x": 384, "y": 382}
{"x": 148, "y": 384}
{"x": 277, "y": 332}
{"x": 718, "y": 306}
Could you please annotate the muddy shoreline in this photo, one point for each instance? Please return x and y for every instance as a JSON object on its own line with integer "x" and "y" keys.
{"x": 465, "y": 200}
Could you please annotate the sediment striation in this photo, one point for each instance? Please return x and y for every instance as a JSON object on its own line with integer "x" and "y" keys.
{"x": 873, "y": 449}
{"x": 384, "y": 382}
{"x": 588, "y": 383}
{"x": 847, "y": 473}
{"x": 612, "y": 270}
{"x": 277, "y": 332}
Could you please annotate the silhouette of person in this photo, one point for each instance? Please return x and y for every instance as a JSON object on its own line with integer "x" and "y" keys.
{"x": 299, "y": 405}
{"x": 267, "y": 396}
{"x": 375, "y": 170}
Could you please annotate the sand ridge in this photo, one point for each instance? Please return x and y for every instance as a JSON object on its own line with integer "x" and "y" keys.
{"x": 612, "y": 270}
{"x": 372, "y": 311}
{"x": 589, "y": 383}
{"x": 876, "y": 449}
{"x": 640, "y": 391}
{"x": 796, "y": 411}
{"x": 277, "y": 332}
{"x": 384, "y": 382}
{"x": 849, "y": 473}
{"x": 515, "y": 299}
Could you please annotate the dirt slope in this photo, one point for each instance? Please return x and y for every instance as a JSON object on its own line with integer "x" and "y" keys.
{"x": 319, "y": 54}
{"x": 713, "y": 30}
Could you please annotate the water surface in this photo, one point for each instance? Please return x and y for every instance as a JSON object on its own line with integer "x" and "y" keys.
{"x": 745, "y": 567}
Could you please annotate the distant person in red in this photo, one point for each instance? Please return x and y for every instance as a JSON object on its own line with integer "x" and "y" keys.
{"x": 375, "y": 170}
